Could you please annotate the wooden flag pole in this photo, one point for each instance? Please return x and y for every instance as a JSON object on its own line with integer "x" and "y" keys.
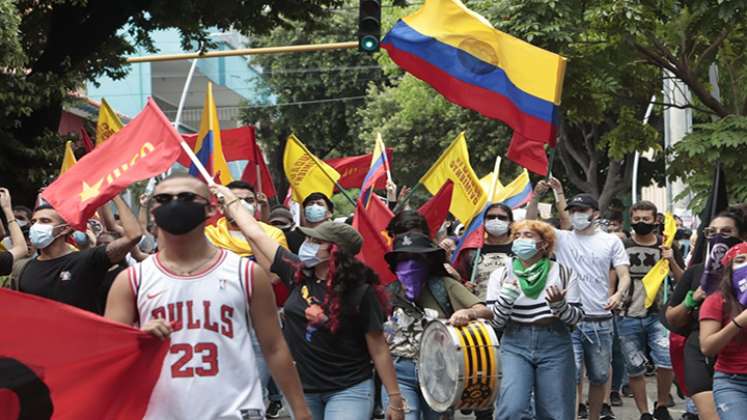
{"x": 196, "y": 161}
{"x": 245, "y": 51}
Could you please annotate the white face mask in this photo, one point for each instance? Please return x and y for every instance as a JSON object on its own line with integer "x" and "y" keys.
{"x": 496, "y": 227}
{"x": 42, "y": 235}
{"x": 580, "y": 220}
{"x": 249, "y": 207}
{"x": 307, "y": 254}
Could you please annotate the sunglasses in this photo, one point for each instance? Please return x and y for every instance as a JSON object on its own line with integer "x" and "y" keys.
{"x": 496, "y": 216}
{"x": 186, "y": 197}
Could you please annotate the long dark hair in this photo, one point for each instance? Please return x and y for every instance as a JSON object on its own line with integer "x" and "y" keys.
{"x": 346, "y": 273}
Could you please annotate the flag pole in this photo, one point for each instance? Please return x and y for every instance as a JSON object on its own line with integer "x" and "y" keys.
{"x": 324, "y": 171}
{"x": 550, "y": 163}
{"x": 196, "y": 161}
{"x": 386, "y": 159}
{"x": 493, "y": 183}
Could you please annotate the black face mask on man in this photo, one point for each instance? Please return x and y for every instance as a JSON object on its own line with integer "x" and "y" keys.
{"x": 179, "y": 217}
{"x": 643, "y": 228}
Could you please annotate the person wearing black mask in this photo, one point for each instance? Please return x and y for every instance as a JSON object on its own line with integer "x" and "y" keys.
{"x": 639, "y": 326}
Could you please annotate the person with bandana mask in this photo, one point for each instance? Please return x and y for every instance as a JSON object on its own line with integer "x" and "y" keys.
{"x": 590, "y": 253}
{"x": 207, "y": 301}
{"x": 495, "y": 251}
{"x": 333, "y": 317}
{"x": 638, "y": 326}
{"x": 423, "y": 291}
{"x": 62, "y": 274}
{"x": 536, "y": 302}
{"x": 723, "y": 334}
{"x": 725, "y": 230}
{"x": 18, "y": 248}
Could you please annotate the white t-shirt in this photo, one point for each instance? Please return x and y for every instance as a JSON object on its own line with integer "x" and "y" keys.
{"x": 591, "y": 257}
{"x": 528, "y": 310}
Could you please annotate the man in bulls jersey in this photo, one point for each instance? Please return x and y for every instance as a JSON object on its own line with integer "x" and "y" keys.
{"x": 206, "y": 300}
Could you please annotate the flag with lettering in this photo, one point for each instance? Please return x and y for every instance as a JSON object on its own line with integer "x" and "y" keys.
{"x": 353, "y": 170}
{"x": 468, "y": 197}
{"x": 145, "y": 147}
{"x": 60, "y": 362}
{"x": 108, "y": 123}
{"x": 305, "y": 172}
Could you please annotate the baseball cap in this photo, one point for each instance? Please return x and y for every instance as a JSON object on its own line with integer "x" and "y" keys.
{"x": 583, "y": 201}
{"x": 341, "y": 234}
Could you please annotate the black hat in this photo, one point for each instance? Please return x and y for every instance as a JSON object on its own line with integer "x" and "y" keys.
{"x": 412, "y": 243}
{"x": 583, "y": 201}
{"x": 319, "y": 196}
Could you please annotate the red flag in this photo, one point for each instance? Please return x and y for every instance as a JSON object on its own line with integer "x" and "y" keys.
{"x": 87, "y": 142}
{"x": 353, "y": 170}
{"x": 145, "y": 147}
{"x": 250, "y": 172}
{"x": 371, "y": 223}
{"x": 436, "y": 209}
{"x": 60, "y": 361}
{"x": 528, "y": 153}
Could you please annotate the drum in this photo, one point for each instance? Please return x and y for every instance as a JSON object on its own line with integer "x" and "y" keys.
{"x": 458, "y": 367}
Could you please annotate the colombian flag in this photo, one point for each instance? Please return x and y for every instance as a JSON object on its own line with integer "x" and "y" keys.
{"x": 375, "y": 171}
{"x": 474, "y": 65}
{"x": 517, "y": 193}
{"x": 209, "y": 148}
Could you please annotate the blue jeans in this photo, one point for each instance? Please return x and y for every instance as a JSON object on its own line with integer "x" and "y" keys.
{"x": 730, "y": 394}
{"x": 635, "y": 335}
{"x": 407, "y": 378}
{"x": 592, "y": 347}
{"x": 619, "y": 370}
{"x": 353, "y": 403}
{"x": 537, "y": 359}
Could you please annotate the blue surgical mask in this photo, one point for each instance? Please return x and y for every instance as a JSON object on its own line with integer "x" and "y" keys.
{"x": 307, "y": 254}
{"x": 315, "y": 213}
{"x": 524, "y": 248}
{"x": 41, "y": 235}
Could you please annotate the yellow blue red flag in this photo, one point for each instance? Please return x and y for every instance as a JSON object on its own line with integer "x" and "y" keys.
{"x": 377, "y": 170}
{"x": 208, "y": 147}
{"x": 514, "y": 194}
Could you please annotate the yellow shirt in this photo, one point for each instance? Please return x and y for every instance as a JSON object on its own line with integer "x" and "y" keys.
{"x": 221, "y": 236}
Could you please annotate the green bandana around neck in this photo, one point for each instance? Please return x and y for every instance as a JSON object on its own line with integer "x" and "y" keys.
{"x": 532, "y": 279}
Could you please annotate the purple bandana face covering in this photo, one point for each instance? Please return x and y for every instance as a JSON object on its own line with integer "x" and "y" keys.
{"x": 412, "y": 274}
{"x": 739, "y": 283}
{"x": 717, "y": 247}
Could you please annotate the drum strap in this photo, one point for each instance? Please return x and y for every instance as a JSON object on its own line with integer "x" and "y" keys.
{"x": 439, "y": 292}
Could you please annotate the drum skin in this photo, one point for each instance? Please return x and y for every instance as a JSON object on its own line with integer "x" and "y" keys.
{"x": 459, "y": 367}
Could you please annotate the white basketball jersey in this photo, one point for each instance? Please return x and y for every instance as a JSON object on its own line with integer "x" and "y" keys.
{"x": 210, "y": 370}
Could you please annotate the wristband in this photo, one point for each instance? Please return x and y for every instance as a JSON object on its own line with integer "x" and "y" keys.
{"x": 734, "y": 320}
{"x": 227, "y": 205}
{"x": 689, "y": 302}
{"x": 12, "y": 220}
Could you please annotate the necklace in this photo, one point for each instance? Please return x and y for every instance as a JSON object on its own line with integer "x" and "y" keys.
{"x": 183, "y": 272}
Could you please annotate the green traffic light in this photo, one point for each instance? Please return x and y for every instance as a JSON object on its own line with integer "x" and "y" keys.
{"x": 369, "y": 43}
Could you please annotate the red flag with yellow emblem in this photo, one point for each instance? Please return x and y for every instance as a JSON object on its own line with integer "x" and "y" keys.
{"x": 145, "y": 147}
{"x": 371, "y": 223}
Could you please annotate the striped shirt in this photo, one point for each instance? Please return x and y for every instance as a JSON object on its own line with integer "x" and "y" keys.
{"x": 526, "y": 310}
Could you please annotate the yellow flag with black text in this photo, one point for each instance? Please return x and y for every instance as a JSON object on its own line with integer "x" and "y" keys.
{"x": 468, "y": 196}
{"x": 68, "y": 158}
{"x": 107, "y": 124}
{"x": 305, "y": 172}
{"x": 655, "y": 277}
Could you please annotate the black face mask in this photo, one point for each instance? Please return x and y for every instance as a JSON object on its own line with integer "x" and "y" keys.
{"x": 179, "y": 217}
{"x": 643, "y": 228}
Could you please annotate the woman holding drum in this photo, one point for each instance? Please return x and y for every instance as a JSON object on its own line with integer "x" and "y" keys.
{"x": 536, "y": 301}
{"x": 423, "y": 292}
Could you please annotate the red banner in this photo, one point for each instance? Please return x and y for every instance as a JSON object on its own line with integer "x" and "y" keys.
{"x": 371, "y": 223}
{"x": 62, "y": 362}
{"x": 353, "y": 170}
{"x": 145, "y": 147}
{"x": 436, "y": 209}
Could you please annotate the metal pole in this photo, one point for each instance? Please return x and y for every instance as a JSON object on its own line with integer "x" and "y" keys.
{"x": 646, "y": 117}
{"x": 246, "y": 51}
{"x": 183, "y": 98}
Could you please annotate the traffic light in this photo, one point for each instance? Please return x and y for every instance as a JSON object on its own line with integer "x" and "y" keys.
{"x": 369, "y": 25}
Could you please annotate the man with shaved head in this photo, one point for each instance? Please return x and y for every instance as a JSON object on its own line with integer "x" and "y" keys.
{"x": 207, "y": 300}
{"x": 63, "y": 274}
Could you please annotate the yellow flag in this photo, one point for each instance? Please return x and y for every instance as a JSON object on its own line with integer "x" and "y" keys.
{"x": 68, "y": 159}
{"x": 211, "y": 155}
{"x": 468, "y": 197}
{"x": 305, "y": 172}
{"x": 485, "y": 183}
{"x": 107, "y": 124}
{"x": 655, "y": 277}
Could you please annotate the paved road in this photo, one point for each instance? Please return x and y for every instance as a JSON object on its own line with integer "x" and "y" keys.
{"x": 628, "y": 411}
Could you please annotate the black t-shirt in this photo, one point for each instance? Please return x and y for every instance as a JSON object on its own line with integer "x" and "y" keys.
{"x": 498, "y": 249}
{"x": 690, "y": 281}
{"x": 295, "y": 238}
{"x": 73, "y": 279}
{"x": 6, "y": 263}
{"x": 327, "y": 362}
{"x": 105, "y": 285}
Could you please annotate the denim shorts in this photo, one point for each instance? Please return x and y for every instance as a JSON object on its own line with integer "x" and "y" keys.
{"x": 639, "y": 334}
{"x": 592, "y": 348}
{"x": 730, "y": 395}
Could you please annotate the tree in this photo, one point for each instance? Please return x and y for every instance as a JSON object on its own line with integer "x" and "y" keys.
{"x": 316, "y": 94}
{"x": 65, "y": 42}
{"x": 606, "y": 92}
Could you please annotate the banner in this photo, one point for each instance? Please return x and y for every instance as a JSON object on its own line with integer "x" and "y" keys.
{"x": 146, "y": 147}
{"x": 353, "y": 170}
{"x": 108, "y": 123}
{"x": 305, "y": 172}
{"x": 655, "y": 277}
{"x": 68, "y": 364}
{"x": 371, "y": 222}
{"x": 468, "y": 196}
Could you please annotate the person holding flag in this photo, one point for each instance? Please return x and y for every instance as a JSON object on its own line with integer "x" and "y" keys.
{"x": 208, "y": 302}
{"x": 639, "y": 327}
